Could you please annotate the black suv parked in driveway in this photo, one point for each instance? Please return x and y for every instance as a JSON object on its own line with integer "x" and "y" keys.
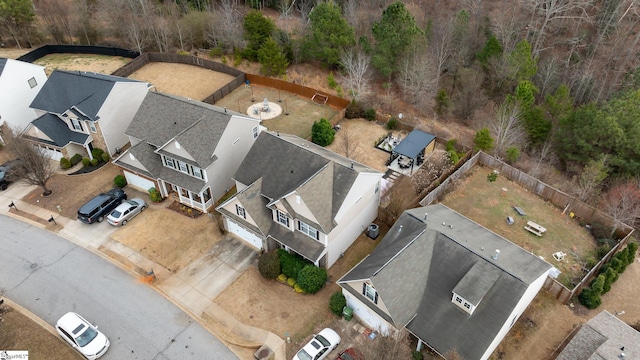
{"x": 5, "y": 173}
{"x": 100, "y": 206}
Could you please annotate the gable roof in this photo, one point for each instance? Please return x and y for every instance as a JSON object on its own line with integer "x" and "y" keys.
{"x": 85, "y": 91}
{"x": 603, "y": 337}
{"x": 431, "y": 251}
{"x": 414, "y": 143}
{"x": 58, "y": 131}
{"x": 3, "y": 62}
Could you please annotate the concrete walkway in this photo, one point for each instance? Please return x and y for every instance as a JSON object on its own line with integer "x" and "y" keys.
{"x": 193, "y": 288}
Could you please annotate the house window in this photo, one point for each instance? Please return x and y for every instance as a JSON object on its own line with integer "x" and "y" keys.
{"x": 169, "y": 162}
{"x": 197, "y": 172}
{"x": 183, "y": 166}
{"x": 207, "y": 195}
{"x": 283, "y": 218}
{"x": 76, "y": 124}
{"x": 32, "y": 82}
{"x": 459, "y": 299}
{"x": 467, "y": 305}
{"x": 240, "y": 211}
{"x": 308, "y": 230}
{"x": 255, "y": 132}
{"x": 370, "y": 293}
{"x": 92, "y": 126}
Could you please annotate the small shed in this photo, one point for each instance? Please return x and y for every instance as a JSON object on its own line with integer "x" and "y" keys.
{"x": 412, "y": 149}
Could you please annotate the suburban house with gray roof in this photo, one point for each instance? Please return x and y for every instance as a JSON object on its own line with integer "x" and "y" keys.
{"x": 453, "y": 284}
{"x": 187, "y": 148}
{"x": 20, "y": 82}
{"x": 605, "y": 336}
{"x": 78, "y": 111}
{"x": 298, "y": 196}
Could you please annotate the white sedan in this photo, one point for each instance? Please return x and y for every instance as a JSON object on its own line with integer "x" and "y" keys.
{"x": 320, "y": 346}
{"x": 82, "y": 336}
{"x": 126, "y": 211}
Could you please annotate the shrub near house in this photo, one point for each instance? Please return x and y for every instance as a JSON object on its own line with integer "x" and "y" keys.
{"x": 298, "y": 273}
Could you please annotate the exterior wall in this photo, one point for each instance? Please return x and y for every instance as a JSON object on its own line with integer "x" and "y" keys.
{"x": 524, "y": 302}
{"x": 274, "y": 217}
{"x": 126, "y": 158}
{"x": 355, "y": 216}
{"x": 357, "y": 287}
{"x": 17, "y": 94}
{"x": 178, "y": 150}
{"x": 231, "y": 207}
{"x": 430, "y": 147}
{"x": 73, "y": 149}
{"x": 366, "y": 315}
{"x": 117, "y": 112}
{"x": 298, "y": 205}
{"x": 36, "y": 133}
{"x": 230, "y": 154}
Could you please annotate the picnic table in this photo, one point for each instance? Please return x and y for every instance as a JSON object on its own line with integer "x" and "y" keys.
{"x": 535, "y": 228}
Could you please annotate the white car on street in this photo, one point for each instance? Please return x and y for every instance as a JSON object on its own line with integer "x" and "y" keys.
{"x": 82, "y": 336}
{"x": 320, "y": 346}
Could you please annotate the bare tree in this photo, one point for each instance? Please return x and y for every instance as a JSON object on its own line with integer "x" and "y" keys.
{"x": 357, "y": 77}
{"x": 543, "y": 153}
{"x": 591, "y": 178}
{"x": 551, "y": 11}
{"x": 622, "y": 203}
{"x": 35, "y": 167}
{"x": 469, "y": 95}
{"x": 56, "y": 16}
{"x": 392, "y": 347}
{"x": 226, "y": 28}
{"x": 548, "y": 76}
{"x": 416, "y": 77}
{"x": 507, "y": 128}
{"x": 348, "y": 143}
{"x": 441, "y": 48}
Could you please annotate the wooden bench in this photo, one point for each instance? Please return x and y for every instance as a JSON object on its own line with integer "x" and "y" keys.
{"x": 535, "y": 228}
{"x": 519, "y": 211}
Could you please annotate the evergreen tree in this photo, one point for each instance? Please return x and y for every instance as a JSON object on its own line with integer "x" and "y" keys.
{"x": 272, "y": 58}
{"x": 257, "y": 30}
{"x": 329, "y": 35}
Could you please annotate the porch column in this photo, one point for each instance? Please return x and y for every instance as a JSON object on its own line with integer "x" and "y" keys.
{"x": 419, "y": 346}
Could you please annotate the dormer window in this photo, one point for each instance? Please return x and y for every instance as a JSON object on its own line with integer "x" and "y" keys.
{"x": 240, "y": 211}
{"x": 462, "y": 303}
{"x": 77, "y": 125}
{"x": 92, "y": 126}
{"x": 370, "y": 292}
{"x": 282, "y": 218}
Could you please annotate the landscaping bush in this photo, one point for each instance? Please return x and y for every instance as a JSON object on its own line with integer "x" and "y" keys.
{"x": 97, "y": 153}
{"x": 370, "y": 114}
{"x": 94, "y": 162}
{"x": 322, "y": 132}
{"x": 392, "y": 123}
{"x": 610, "y": 276}
{"x": 353, "y": 111}
{"x": 155, "y": 195}
{"x": 311, "y": 278}
{"x": 590, "y": 297}
{"x": 417, "y": 355}
{"x": 290, "y": 264}
{"x": 86, "y": 161}
{"x": 65, "y": 163}
{"x": 75, "y": 159}
{"x": 493, "y": 176}
{"x": 600, "y": 231}
{"x": 332, "y": 81}
{"x": 105, "y": 157}
{"x": 617, "y": 265}
{"x": 120, "y": 181}
{"x": 623, "y": 257}
{"x": 512, "y": 155}
{"x": 282, "y": 278}
{"x": 291, "y": 282}
{"x": 603, "y": 250}
{"x": 337, "y": 303}
{"x": 631, "y": 255}
{"x": 269, "y": 264}
{"x": 297, "y": 288}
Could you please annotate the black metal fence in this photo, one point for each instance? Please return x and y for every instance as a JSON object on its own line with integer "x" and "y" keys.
{"x": 77, "y": 49}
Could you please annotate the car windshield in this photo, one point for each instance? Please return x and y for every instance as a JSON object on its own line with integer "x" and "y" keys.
{"x": 116, "y": 214}
{"x": 303, "y": 355}
{"x": 87, "y": 336}
{"x": 324, "y": 341}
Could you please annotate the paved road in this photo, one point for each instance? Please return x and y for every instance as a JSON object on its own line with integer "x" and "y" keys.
{"x": 50, "y": 276}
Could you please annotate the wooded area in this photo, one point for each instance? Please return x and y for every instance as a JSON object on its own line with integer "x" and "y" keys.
{"x": 541, "y": 81}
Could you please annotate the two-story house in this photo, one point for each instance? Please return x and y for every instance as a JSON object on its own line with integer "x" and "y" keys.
{"x": 453, "y": 284}
{"x": 78, "y": 111}
{"x": 301, "y": 197}
{"x": 187, "y": 148}
{"x": 20, "y": 82}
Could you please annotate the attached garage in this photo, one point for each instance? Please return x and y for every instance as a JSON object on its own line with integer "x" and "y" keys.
{"x": 138, "y": 181}
{"x": 244, "y": 234}
{"x": 54, "y": 154}
{"x": 366, "y": 315}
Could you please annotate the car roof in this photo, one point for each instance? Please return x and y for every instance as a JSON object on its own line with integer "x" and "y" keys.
{"x": 70, "y": 321}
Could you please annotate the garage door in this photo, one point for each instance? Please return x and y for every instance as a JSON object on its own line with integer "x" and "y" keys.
{"x": 138, "y": 181}
{"x": 366, "y": 315}
{"x": 245, "y": 234}
{"x": 53, "y": 154}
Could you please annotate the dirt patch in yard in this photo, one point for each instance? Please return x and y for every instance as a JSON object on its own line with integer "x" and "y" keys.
{"x": 181, "y": 79}
{"x": 270, "y": 305}
{"x": 70, "y": 192}
{"x": 19, "y": 332}
{"x": 167, "y": 238}
{"x": 101, "y": 64}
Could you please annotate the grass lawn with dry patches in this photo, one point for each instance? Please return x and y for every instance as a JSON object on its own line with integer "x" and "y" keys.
{"x": 489, "y": 205}
{"x": 102, "y": 64}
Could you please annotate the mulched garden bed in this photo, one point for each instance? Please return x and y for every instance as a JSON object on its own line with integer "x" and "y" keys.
{"x": 185, "y": 210}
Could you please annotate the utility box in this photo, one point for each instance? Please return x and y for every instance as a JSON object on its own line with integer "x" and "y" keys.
{"x": 373, "y": 231}
{"x": 347, "y": 312}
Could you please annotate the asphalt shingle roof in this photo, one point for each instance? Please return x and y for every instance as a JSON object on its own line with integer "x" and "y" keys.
{"x": 3, "y": 62}
{"x": 431, "y": 251}
{"x": 83, "y": 90}
{"x": 58, "y": 131}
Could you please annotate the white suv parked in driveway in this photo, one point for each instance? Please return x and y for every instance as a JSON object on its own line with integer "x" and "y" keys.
{"x": 82, "y": 336}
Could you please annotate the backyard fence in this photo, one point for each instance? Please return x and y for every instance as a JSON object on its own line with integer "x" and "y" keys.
{"x": 558, "y": 198}
{"x": 76, "y": 49}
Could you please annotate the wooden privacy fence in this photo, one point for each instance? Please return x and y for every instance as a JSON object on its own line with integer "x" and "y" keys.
{"x": 551, "y": 194}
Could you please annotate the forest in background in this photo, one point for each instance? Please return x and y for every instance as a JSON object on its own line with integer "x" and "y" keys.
{"x": 540, "y": 82}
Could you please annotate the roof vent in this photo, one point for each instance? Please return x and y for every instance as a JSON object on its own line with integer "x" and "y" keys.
{"x": 495, "y": 256}
{"x": 425, "y": 216}
{"x": 352, "y": 164}
{"x": 400, "y": 229}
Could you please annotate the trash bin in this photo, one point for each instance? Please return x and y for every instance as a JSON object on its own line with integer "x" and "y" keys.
{"x": 347, "y": 312}
{"x": 373, "y": 231}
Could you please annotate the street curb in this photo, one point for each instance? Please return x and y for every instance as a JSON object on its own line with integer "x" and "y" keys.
{"x": 45, "y": 325}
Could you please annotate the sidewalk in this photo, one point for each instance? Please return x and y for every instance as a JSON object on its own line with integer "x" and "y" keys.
{"x": 193, "y": 297}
